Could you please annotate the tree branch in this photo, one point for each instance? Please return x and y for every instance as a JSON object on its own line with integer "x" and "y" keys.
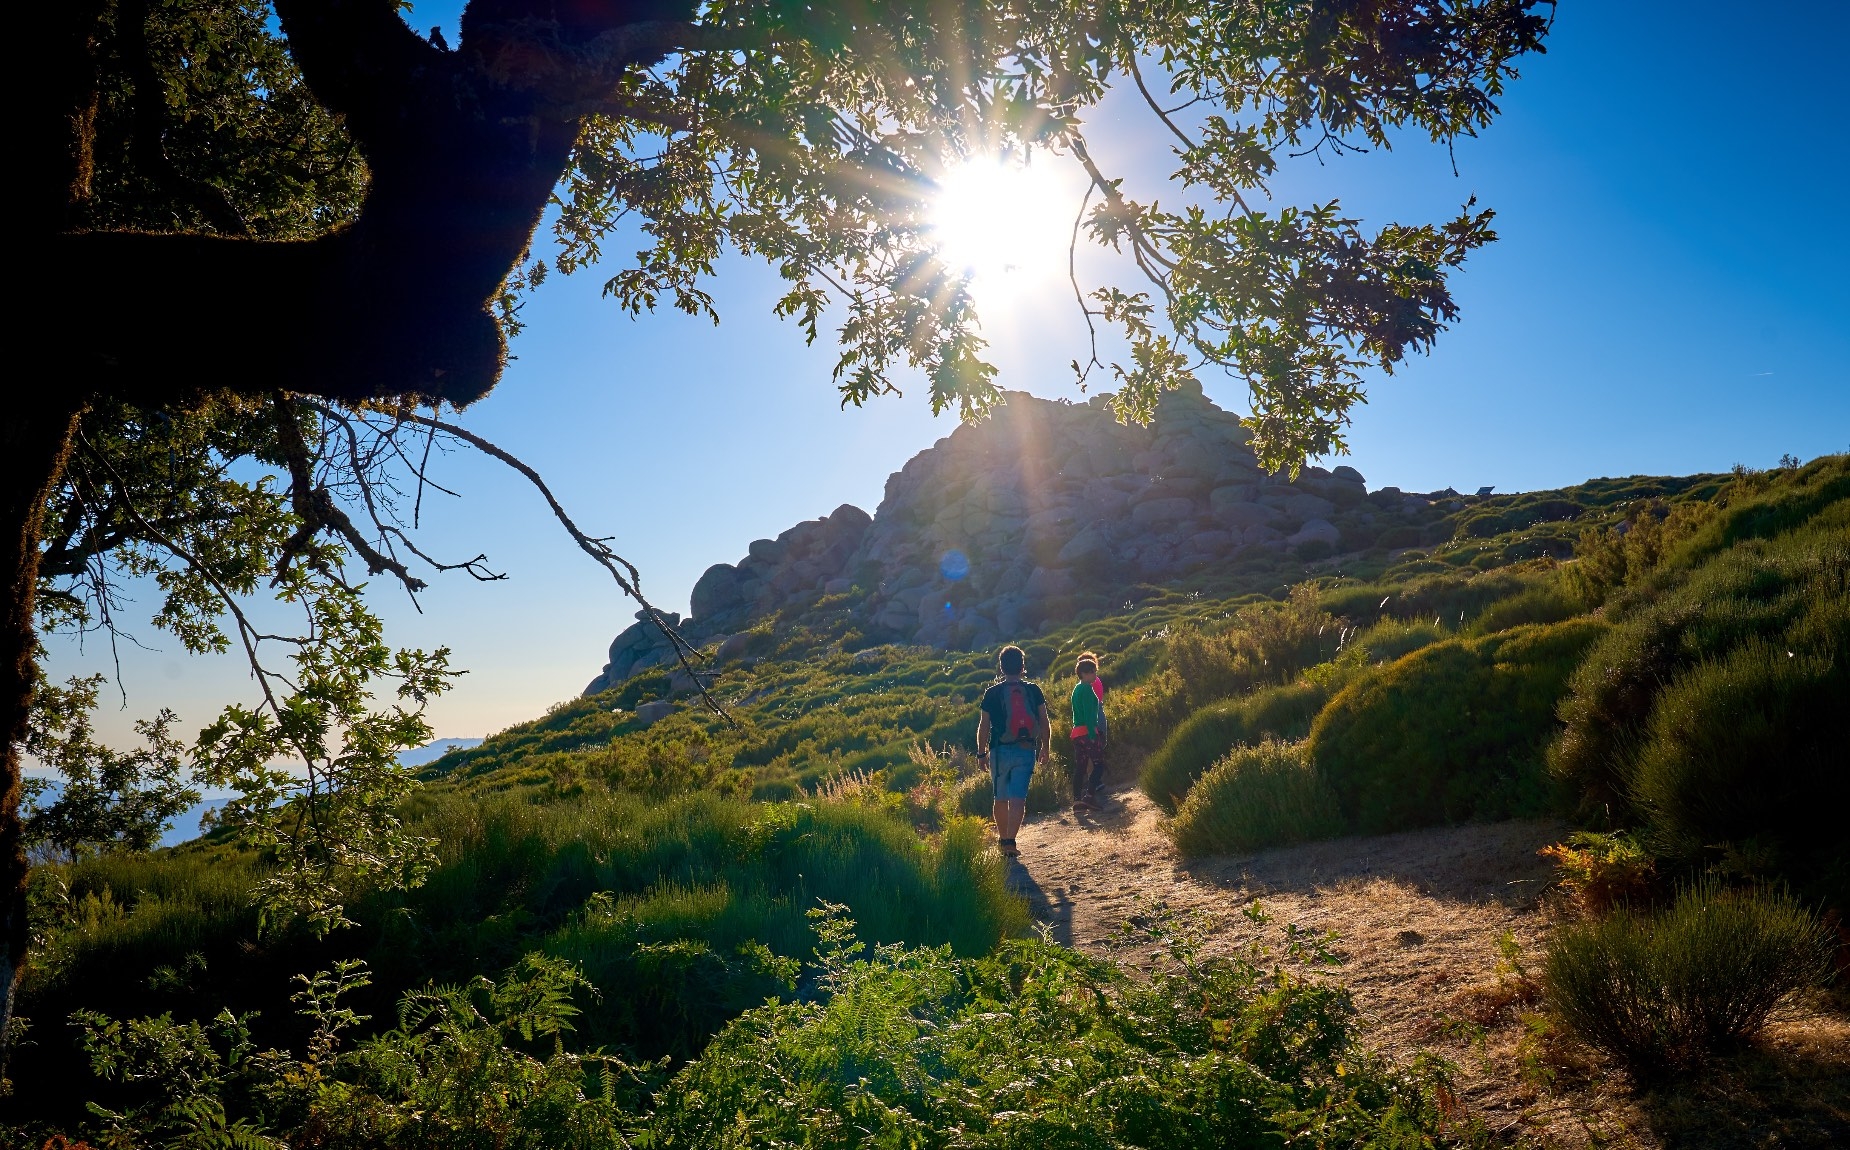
{"x": 628, "y": 578}
{"x": 316, "y": 508}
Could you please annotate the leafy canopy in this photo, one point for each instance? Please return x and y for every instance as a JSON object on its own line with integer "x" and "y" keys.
{"x": 816, "y": 140}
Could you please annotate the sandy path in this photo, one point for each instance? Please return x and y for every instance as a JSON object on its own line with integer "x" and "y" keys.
{"x": 1419, "y": 917}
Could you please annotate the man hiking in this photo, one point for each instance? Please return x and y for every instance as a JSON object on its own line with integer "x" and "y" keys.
{"x": 1012, "y": 733}
{"x": 1088, "y": 734}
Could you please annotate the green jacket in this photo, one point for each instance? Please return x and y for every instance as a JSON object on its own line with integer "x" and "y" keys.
{"x": 1088, "y": 712}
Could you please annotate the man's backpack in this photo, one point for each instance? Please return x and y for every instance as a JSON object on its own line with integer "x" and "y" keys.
{"x": 1019, "y": 726}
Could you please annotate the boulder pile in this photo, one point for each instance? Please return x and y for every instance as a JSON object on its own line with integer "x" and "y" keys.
{"x": 1043, "y": 509}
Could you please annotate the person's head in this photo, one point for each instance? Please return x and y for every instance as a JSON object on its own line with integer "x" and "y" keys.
{"x": 1011, "y": 661}
{"x": 1087, "y": 667}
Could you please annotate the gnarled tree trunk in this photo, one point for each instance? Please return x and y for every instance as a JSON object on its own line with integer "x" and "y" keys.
{"x": 463, "y": 150}
{"x": 35, "y": 442}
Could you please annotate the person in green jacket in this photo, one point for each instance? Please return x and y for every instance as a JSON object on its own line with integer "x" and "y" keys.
{"x": 1088, "y": 734}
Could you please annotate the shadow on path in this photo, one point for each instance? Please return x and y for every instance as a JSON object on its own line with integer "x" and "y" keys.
{"x": 1054, "y": 907}
{"x": 1495, "y": 861}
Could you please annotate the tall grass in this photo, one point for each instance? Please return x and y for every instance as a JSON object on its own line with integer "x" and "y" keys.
{"x": 1208, "y": 734}
{"x": 661, "y": 902}
{"x": 1660, "y": 991}
{"x": 1256, "y": 797}
{"x": 1263, "y": 643}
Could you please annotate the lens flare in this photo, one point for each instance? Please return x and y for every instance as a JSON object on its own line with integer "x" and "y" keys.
{"x": 1001, "y": 222}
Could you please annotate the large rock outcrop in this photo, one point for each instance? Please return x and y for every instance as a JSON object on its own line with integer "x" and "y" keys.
{"x": 1004, "y": 525}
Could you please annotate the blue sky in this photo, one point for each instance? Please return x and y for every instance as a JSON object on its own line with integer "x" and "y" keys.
{"x": 1668, "y": 296}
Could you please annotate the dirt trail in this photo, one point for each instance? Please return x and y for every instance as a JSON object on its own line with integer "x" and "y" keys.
{"x": 1419, "y": 917}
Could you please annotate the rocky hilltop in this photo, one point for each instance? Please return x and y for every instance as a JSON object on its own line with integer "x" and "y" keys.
{"x": 1044, "y": 509}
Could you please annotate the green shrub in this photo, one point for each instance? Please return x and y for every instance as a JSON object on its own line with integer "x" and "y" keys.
{"x": 1034, "y": 1045}
{"x": 1209, "y": 665}
{"x": 1144, "y": 715}
{"x": 661, "y": 903}
{"x": 1740, "y": 746}
{"x": 1275, "y": 713}
{"x": 1039, "y": 1046}
{"x": 1454, "y": 731}
{"x": 1758, "y": 505}
{"x": 1659, "y": 991}
{"x": 1713, "y": 715}
{"x": 1551, "y": 601}
{"x": 1256, "y": 797}
{"x": 1389, "y": 639}
{"x": 1264, "y": 642}
{"x": 1440, "y": 599}
{"x": 1606, "y": 560}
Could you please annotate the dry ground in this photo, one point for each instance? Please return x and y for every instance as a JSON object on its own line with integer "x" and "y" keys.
{"x": 1419, "y": 917}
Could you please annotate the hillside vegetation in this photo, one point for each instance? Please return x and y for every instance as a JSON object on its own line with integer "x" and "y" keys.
{"x": 782, "y": 913}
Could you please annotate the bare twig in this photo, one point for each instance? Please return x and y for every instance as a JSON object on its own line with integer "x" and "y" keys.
{"x": 627, "y": 577}
{"x": 1130, "y": 61}
{"x": 248, "y": 636}
{"x": 1072, "y": 275}
{"x": 316, "y": 508}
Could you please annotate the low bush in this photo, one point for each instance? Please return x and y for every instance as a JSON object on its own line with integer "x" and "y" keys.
{"x": 1256, "y": 797}
{"x": 1265, "y": 642}
{"x": 1389, "y": 639}
{"x": 1606, "y": 560}
{"x": 1144, "y": 715}
{"x": 1276, "y": 713}
{"x": 1549, "y": 601}
{"x": 1453, "y": 732}
{"x": 1712, "y": 716}
{"x": 1039, "y": 1046}
{"x": 1440, "y": 599}
{"x": 1765, "y": 505}
{"x": 1034, "y": 1045}
{"x": 1660, "y": 991}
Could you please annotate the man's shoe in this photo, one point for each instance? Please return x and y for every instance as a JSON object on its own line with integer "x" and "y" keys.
{"x": 1008, "y": 848}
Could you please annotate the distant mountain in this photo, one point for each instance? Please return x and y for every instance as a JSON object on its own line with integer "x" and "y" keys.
{"x": 431, "y": 752}
{"x": 186, "y": 825}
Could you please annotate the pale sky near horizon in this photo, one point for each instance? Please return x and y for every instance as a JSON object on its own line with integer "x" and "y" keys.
{"x": 1668, "y": 296}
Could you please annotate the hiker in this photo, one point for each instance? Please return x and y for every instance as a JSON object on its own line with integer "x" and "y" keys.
{"x": 1012, "y": 733}
{"x": 1088, "y": 734}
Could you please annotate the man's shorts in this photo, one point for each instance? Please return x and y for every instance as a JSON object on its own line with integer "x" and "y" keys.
{"x": 1010, "y": 768}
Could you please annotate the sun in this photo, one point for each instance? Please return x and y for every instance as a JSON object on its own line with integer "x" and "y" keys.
{"x": 1003, "y": 224}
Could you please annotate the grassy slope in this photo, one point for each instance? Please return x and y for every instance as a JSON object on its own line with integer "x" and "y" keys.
{"x": 639, "y": 852}
{"x": 812, "y": 704}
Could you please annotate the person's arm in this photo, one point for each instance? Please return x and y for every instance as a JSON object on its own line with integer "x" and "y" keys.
{"x": 1045, "y": 738}
{"x": 982, "y": 732}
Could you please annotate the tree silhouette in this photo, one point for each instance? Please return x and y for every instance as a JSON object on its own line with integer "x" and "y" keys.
{"x": 241, "y": 236}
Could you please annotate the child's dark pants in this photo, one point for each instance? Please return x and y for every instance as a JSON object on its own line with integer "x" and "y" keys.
{"x": 1088, "y": 766}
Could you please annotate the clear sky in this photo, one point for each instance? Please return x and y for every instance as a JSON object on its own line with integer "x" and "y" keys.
{"x": 1668, "y": 296}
